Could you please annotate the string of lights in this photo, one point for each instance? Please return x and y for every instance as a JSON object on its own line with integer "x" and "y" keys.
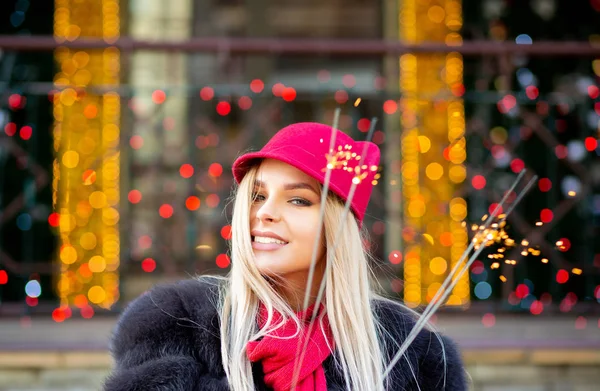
{"x": 433, "y": 153}
{"x": 86, "y": 169}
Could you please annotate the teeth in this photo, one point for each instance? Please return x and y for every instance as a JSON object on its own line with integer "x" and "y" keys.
{"x": 263, "y": 239}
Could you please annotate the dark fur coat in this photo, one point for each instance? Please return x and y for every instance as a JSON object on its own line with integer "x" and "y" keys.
{"x": 168, "y": 340}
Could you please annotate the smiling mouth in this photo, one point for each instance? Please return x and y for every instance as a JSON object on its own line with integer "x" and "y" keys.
{"x": 267, "y": 244}
{"x": 267, "y": 240}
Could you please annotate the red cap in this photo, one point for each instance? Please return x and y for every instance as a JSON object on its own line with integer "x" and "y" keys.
{"x": 305, "y": 146}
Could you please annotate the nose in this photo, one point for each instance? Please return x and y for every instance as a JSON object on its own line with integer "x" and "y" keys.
{"x": 268, "y": 212}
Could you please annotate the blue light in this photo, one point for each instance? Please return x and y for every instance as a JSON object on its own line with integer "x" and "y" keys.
{"x": 33, "y": 288}
{"x": 529, "y": 284}
{"x": 483, "y": 290}
{"x": 17, "y": 18}
{"x": 525, "y": 77}
{"x": 523, "y": 39}
{"x": 527, "y": 301}
{"x": 24, "y": 222}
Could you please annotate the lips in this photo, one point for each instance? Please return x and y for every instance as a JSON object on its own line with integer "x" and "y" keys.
{"x": 267, "y": 246}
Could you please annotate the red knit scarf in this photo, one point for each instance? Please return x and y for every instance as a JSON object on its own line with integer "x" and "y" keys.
{"x": 278, "y": 355}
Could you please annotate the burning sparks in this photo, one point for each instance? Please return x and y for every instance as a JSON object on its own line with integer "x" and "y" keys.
{"x": 341, "y": 159}
{"x": 357, "y": 102}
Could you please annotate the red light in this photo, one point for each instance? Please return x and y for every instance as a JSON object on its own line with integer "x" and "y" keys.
{"x": 477, "y": 267}
{"x": 159, "y": 97}
{"x": 80, "y": 301}
{"x": 88, "y": 177}
{"x": 145, "y": 242}
{"x": 136, "y": 142}
{"x": 341, "y": 96}
{"x": 26, "y": 132}
{"x": 390, "y": 106}
{"x": 245, "y": 103}
{"x": 192, "y": 203}
{"x": 561, "y": 151}
{"x": 186, "y": 170}
{"x": 323, "y": 76}
{"x": 546, "y": 215}
{"x": 10, "y": 129}
{"x": 148, "y": 265}
{"x": 226, "y": 232}
{"x": 532, "y": 92}
{"x": 257, "y": 86}
{"x": 498, "y": 151}
{"x": 84, "y": 271}
{"x": 223, "y": 108}
{"x": 215, "y": 170}
{"x": 58, "y": 315}
{"x": 54, "y": 219}
{"x": 207, "y": 93}
{"x": 277, "y": 89}
{"x": 363, "y": 125}
{"x": 522, "y": 291}
{"x": 562, "y": 276}
{"x": 458, "y": 89}
{"x": 288, "y": 94}
{"x": 593, "y": 91}
{"x": 492, "y": 208}
{"x": 591, "y": 143}
{"x": 597, "y": 108}
{"x": 16, "y": 101}
{"x": 545, "y": 184}
{"x": 3, "y": 277}
{"x": 536, "y": 307}
{"x": 31, "y": 301}
{"x": 507, "y": 103}
{"x": 349, "y": 81}
{"x": 488, "y": 320}
{"x": 517, "y": 165}
{"x": 223, "y": 261}
{"x": 165, "y": 211}
{"x": 395, "y": 257}
{"x": 478, "y": 182}
{"x": 378, "y": 137}
{"x": 597, "y": 292}
{"x": 563, "y": 244}
{"x": 134, "y": 196}
{"x": 87, "y": 312}
{"x": 212, "y": 200}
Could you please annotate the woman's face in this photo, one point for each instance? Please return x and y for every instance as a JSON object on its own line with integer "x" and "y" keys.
{"x": 284, "y": 219}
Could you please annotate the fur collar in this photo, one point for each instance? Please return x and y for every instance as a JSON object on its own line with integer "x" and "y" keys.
{"x": 168, "y": 339}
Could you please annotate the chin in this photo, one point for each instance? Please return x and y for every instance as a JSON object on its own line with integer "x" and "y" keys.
{"x": 273, "y": 266}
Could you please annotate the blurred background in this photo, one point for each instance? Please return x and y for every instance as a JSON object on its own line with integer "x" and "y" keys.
{"x": 119, "y": 122}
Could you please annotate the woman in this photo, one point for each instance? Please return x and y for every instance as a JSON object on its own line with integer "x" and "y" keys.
{"x": 248, "y": 331}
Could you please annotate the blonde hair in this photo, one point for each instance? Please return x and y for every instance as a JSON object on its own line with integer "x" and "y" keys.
{"x": 357, "y": 332}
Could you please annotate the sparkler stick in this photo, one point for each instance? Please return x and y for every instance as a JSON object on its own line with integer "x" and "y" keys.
{"x": 435, "y": 303}
{"x": 311, "y": 270}
{"x": 355, "y": 182}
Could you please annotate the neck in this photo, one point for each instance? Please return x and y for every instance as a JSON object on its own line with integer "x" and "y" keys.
{"x": 292, "y": 287}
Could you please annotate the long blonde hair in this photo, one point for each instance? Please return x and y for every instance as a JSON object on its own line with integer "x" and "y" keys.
{"x": 348, "y": 294}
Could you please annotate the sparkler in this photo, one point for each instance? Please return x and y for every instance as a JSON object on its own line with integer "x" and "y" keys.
{"x": 443, "y": 292}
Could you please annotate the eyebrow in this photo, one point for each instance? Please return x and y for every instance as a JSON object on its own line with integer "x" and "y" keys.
{"x": 290, "y": 186}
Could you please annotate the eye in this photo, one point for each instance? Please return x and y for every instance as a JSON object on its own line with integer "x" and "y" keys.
{"x": 300, "y": 202}
{"x": 257, "y": 197}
